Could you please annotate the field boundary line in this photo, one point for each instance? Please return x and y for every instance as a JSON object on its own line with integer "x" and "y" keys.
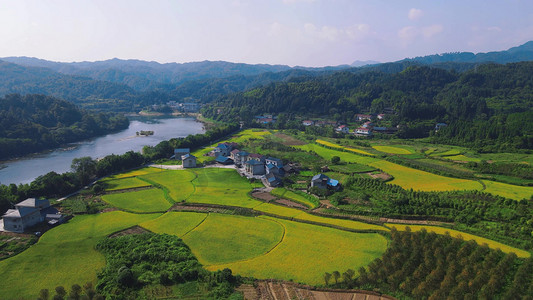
{"x": 201, "y": 222}
{"x": 165, "y": 190}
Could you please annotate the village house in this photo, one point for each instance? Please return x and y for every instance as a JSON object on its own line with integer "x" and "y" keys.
{"x": 178, "y": 153}
{"x": 274, "y": 161}
{"x": 381, "y": 116}
{"x": 258, "y": 157}
{"x": 363, "y": 131}
{"x": 343, "y": 129}
{"x": 368, "y": 124}
{"x": 439, "y": 126}
{"x": 224, "y": 160}
{"x": 234, "y": 153}
{"x": 362, "y": 117}
{"x": 308, "y": 123}
{"x": 28, "y": 213}
{"x": 222, "y": 149}
{"x": 273, "y": 180}
{"x": 189, "y": 161}
{"x": 241, "y": 158}
{"x": 324, "y": 182}
{"x": 254, "y": 167}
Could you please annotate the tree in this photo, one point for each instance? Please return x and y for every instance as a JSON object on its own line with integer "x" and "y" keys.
{"x": 44, "y": 294}
{"x": 335, "y": 160}
{"x": 336, "y": 276}
{"x": 327, "y": 277}
{"x": 85, "y": 168}
{"x": 75, "y": 292}
{"x": 60, "y": 292}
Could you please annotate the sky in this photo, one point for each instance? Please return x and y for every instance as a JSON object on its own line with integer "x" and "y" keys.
{"x": 288, "y": 32}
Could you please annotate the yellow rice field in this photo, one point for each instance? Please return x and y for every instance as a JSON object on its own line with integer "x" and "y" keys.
{"x": 508, "y": 190}
{"x": 392, "y": 150}
{"x": 326, "y": 143}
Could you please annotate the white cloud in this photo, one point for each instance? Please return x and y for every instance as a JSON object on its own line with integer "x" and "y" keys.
{"x": 432, "y": 30}
{"x": 415, "y": 14}
{"x": 408, "y": 33}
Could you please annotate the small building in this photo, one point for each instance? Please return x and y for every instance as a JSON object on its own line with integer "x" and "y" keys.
{"x": 273, "y": 180}
{"x": 308, "y": 123}
{"x": 222, "y": 149}
{"x": 254, "y": 167}
{"x": 381, "y": 116}
{"x": 273, "y": 169}
{"x": 290, "y": 169}
{"x": 343, "y": 129}
{"x": 324, "y": 182}
{"x": 224, "y": 160}
{"x": 241, "y": 157}
{"x": 234, "y": 153}
{"x": 27, "y": 213}
{"x": 363, "y": 131}
{"x": 178, "y": 153}
{"x": 362, "y": 117}
{"x": 274, "y": 161}
{"x": 189, "y": 161}
{"x": 439, "y": 126}
{"x": 258, "y": 157}
{"x": 368, "y": 124}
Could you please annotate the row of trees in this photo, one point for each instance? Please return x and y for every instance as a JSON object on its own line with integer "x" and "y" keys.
{"x": 481, "y": 213}
{"x": 425, "y": 265}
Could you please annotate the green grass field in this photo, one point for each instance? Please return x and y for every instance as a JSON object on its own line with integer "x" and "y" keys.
{"x": 462, "y": 157}
{"x": 229, "y": 238}
{"x": 63, "y": 256}
{"x": 352, "y": 168}
{"x": 410, "y": 178}
{"x": 223, "y": 187}
{"x": 392, "y": 149}
{"x": 328, "y": 250}
{"x": 508, "y": 190}
{"x": 306, "y": 200}
{"x": 466, "y": 236}
{"x": 151, "y": 200}
{"x": 124, "y": 183}
{"x": 178, "y": 183}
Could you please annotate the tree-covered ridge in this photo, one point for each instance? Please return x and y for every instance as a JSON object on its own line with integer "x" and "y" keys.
{"x": 487, "y": 102}
{"x": 34, "y": 123}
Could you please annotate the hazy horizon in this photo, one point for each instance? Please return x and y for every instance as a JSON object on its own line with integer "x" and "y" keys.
{"x": 310, "y": 33}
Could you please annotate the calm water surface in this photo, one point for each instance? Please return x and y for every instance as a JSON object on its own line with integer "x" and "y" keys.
{"x": 26, "y": 169}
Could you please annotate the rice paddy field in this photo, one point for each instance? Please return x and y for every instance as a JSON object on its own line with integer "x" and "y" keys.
{"x": 124, "y": 183}
{"x": 508, "y": 190}
{"x": 467, "y": 237}
{"x": 328, "y": 250}
{"x": 392, "y": 149}
{"x": 462, "y": 157}
{"x": 418, "y": 180}
{"x": 221, "y": 186}
{"x": 287, "y": 194}
{"x": 178, "y": 183}
{"x": 355, "y": 150}
{"x": 150, "y": 200}
{"x": 175, "y": 223}
{"x": 134, "y": 173}
{"x": 344, "y": 156}
{"x": 64, "y": 255}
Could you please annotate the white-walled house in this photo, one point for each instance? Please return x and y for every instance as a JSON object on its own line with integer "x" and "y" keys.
{"x": 27, "y": 213}
{"x": 189, "y": 161}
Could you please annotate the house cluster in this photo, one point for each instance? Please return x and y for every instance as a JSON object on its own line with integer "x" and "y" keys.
{"x": 265, "y": 119}
{"x": 30, "y": 212}
{"x": 187, "y": 159}
{"x": 269, "y": 169}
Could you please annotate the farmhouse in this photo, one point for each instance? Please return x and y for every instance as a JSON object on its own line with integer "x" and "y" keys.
{"x": 258, "y": 157}
{"x": 178, "y": 153}
{"x": 324, "y": 182}
{"x": 362, "y": 117}
{"x": 274, "y": 161}
{"x": 273, "y": 180}
{"x": 308, "y": 123}
{"x": 381, "y": 116}
{"x": 189, "y": 161}
{"x": 241, "y": 157}
{"x": 224, "y": 160}
{"x": 28, "y": 213}
{"x": 254, "y": 167}
{"x": 222, "y": 149}
{"x": 343, "y": 129}
{"x": 233, "y": 153}
{"x": 363, "y": 131}
{"x": 368, "y": 124}
{"x": 439, "y": 126}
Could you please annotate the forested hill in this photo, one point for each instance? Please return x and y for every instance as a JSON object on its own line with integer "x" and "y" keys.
{"x": 515, "y": 54}
{"x": 34, "y": 123}
{"x": 490, "y": 102}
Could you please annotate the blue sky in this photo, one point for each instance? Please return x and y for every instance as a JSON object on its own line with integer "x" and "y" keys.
{"x": 292, "y": 32}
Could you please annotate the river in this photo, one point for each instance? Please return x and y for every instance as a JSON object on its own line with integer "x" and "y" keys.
{"x": 26, "y": 169}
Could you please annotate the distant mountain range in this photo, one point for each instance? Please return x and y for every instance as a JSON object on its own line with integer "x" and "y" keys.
{"x": 126, "y": 85}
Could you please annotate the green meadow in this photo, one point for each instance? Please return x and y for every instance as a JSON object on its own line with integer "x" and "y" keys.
{"x": 150, "y": 200}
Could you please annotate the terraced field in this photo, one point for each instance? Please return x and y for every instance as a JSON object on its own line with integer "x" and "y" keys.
{"x": 151, "y": 200}
{"x": 134, "y": 173}
{"x": 329, "y": 144}
{"x": 223, "y": 187}
{"x": 392, "y": 149}
{"x": 508, "y": 190}
{"x": 328, "y": 250}
{"x": 287, "y": 194}
{"x": 178, "y": 183}
{"x": 344, "y": 156}
{"x": 466, "y": 236}
{"x": 61, "y": 254}
{"x": 124, "y": 183}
